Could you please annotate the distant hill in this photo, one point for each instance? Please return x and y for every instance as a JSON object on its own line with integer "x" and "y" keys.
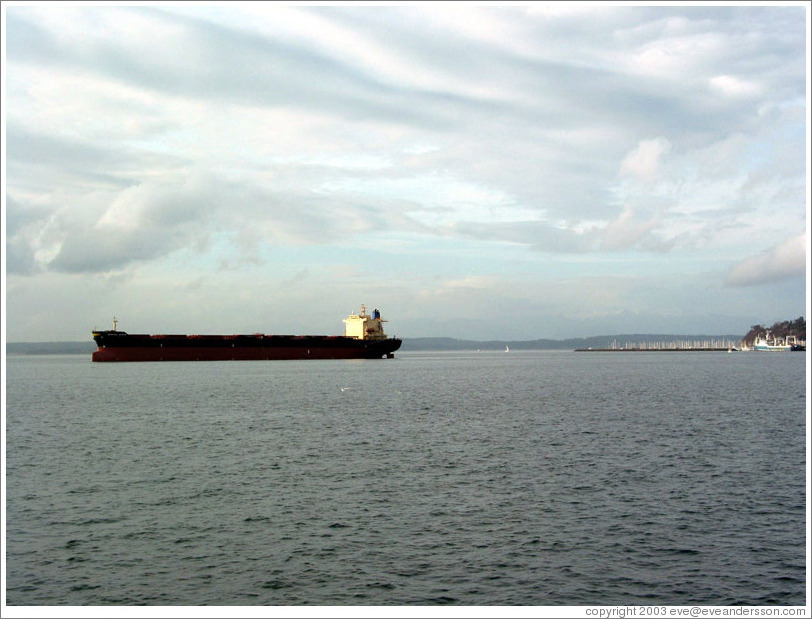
{"x": 780, "y": 330}
{"x": 50, "y": 348}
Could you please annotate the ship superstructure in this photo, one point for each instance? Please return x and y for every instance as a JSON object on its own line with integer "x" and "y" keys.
{"x": 363, "y": 326}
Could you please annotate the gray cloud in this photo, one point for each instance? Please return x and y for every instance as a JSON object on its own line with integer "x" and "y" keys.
{"x": 102, "y": 251}
{"x": 61, "y": 160}
{"x": 151, "y": 220}
{"x": 142, "y": 223}
{"x": 19, "y": 248}
{"x": 218, "y": 62}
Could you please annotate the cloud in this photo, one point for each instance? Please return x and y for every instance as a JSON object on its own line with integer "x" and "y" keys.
{"x": 105, "y": 229}
{"x": 783, "y": 261}
{"x": 188, "y": 211}
{"x": 173, "y": 142}
{"x": 732, "y": 86}
{"x": 628, "y": 230}
{"x": 177, "y": 55}
{"x": 643, "y": 162}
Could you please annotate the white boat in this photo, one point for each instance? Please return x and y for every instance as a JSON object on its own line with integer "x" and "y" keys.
{"x": 771, "y": 344}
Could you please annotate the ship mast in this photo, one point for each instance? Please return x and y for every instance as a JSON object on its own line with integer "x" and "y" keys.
{"x": 115, "y": 323}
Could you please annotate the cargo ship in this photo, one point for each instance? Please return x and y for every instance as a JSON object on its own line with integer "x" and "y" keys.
{"x": 363, "y": 338}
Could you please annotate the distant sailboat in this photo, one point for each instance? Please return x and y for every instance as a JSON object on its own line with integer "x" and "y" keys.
{"x": 507, "y": 348}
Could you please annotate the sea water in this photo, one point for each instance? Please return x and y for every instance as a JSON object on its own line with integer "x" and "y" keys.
{"x": 522, "y": 478}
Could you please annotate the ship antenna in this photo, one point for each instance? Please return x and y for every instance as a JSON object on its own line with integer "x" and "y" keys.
{"x": 115, "y": 323}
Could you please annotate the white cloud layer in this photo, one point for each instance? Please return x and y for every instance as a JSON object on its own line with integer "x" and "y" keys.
{"x": 785, "y": 260}
{"x": 427, "y": 158}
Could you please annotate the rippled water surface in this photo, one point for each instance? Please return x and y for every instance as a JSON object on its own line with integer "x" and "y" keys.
{"x": 532, "y": 478}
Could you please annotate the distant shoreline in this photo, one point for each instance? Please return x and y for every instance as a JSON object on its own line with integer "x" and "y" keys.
{"x": 50, "y": 348}
{"x": 603, "y": 342}
{"x": 680, "y": 349}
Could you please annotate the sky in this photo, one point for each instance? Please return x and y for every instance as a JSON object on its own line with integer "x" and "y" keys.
{"x": 546, "y": 170}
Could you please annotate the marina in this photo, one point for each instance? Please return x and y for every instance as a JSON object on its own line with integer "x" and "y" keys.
{"x": 670, "y": 346}
{"x": 766, "y": 342}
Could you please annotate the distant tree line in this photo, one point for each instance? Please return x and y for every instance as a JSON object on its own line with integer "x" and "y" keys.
{"x": 795, "y": 327}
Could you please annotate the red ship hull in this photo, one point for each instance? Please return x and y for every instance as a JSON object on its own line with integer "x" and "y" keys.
{"x": 121, "y": 346}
